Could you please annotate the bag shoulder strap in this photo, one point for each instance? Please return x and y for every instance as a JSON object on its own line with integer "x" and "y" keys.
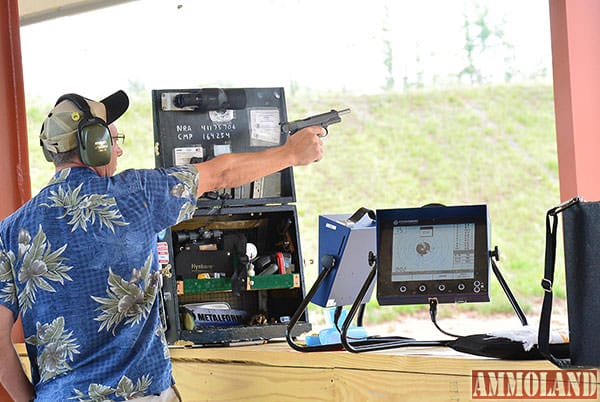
{"x": 548, "y": 280}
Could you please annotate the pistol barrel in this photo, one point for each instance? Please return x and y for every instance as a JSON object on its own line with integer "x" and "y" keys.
{"x": 323, "y": 120}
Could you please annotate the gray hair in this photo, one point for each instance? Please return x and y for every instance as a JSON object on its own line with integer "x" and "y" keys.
{"x": 63, "y": 158}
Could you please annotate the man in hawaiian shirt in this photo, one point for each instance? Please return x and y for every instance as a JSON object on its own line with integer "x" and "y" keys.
{"x": 77, "y": 262}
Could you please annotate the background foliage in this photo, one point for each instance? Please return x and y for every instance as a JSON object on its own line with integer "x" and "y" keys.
{"x": 490, "y": 144}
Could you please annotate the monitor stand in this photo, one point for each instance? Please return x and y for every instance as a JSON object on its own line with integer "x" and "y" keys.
{"x": 328, "y": 262}
{"x": 386, "y": 343}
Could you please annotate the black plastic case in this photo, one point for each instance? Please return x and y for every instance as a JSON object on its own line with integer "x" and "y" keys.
{"x": 253, "y": 229}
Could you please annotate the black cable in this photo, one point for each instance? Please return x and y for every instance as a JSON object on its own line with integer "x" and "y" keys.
{"x": 376, "y": 343}
{"x": 433, "y": 314}
{"x": 336, "y": 317}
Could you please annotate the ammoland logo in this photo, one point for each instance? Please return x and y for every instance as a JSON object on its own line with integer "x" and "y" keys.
{"x": 534, "y": 384}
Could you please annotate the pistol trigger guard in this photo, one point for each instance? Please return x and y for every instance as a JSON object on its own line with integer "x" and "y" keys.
{"x": 326, "y": 133}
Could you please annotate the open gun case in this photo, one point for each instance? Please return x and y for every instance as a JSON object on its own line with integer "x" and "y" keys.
{"x": 235, "y": 270}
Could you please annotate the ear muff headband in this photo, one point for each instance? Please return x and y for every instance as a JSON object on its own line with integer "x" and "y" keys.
{"x": 78, "y": 101}
{"x": 93, "y": 135}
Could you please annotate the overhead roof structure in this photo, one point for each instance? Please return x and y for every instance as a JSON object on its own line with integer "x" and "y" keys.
{"x": 32, "y": 11}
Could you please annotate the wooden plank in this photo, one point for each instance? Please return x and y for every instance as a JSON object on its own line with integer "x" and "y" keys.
{"x": 280, "y": 355}
{"x": 413, "y": 360}
{"x": 22, "y": 352}
{"x": 237, "y": 382}
{"x": 214, "y": 381}
{"x": 244, "y": 381}
{"x": 362, "y": 385}
{"x": 275, "y": 372}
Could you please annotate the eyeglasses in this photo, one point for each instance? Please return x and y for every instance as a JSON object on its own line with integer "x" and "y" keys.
{"x": 119, "y": 139}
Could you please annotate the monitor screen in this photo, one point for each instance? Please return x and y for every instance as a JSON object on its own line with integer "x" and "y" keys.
{"x": 434, "y": 251}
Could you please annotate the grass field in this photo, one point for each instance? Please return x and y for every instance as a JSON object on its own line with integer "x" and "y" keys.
{"x": 486, "y": 145}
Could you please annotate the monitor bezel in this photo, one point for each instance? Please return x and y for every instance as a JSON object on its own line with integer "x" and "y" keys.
{"x": 475, "y": 289}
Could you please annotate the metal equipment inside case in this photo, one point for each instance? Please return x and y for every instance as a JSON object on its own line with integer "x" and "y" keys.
{"x": 236, "y": 272}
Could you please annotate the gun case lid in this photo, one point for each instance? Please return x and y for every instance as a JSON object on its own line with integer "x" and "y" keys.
{"x": 193, "y": 125}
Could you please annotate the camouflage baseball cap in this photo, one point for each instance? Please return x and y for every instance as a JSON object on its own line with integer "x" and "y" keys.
{"x": 59, "y": 130}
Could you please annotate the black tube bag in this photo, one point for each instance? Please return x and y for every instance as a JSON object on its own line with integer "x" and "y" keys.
{"x": 581, "y": 234}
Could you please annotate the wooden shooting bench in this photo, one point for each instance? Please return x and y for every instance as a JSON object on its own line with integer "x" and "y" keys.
{"x": 275, "y": 372}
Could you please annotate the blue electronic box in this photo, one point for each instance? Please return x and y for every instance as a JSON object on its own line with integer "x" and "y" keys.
{"x": 349, "y": 239}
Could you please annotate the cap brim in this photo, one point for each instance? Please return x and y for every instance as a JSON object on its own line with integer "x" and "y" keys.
{"x": 115, "y": 104}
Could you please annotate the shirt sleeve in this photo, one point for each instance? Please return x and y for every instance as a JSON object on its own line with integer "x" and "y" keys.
{"x": 8, "y": 290}
{"x": 170, "y": 193}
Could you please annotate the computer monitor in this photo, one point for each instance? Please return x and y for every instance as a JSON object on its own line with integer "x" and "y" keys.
{"x": 433, "y": 252}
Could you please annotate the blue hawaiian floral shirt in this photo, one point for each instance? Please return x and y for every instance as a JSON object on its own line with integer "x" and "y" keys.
{"x": 79, "y": 263}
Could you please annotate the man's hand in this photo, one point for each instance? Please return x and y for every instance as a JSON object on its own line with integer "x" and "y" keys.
{"x": 305, "y": 146}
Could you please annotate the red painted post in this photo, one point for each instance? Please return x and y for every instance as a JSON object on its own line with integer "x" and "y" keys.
{"x": 14, "y": 161}
{"x": 575, "y": 30}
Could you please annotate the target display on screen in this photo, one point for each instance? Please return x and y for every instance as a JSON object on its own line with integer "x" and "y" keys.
{"x": 433, "y": 252}
{"x": 427, "y": 252}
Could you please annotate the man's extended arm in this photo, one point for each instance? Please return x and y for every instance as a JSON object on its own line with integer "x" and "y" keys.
{"x": 12, "y": 376}
{"x": 233, "y": 170}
